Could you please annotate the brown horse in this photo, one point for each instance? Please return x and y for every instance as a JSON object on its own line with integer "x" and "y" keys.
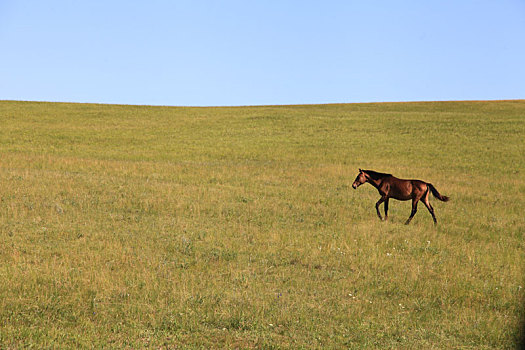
{"x": 403, "y": 190}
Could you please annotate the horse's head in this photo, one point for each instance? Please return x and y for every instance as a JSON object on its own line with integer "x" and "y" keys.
{"x": 359, "y": 180}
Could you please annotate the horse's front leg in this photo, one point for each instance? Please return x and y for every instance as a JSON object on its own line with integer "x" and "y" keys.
{"x": 381, "y": 200}
{"x": 386, "y": 208}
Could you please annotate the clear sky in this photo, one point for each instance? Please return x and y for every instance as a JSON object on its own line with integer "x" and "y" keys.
{"x": 212, "y": 53}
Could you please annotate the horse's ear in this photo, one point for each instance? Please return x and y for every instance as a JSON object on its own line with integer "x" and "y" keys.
{"x": 360, "y": 170}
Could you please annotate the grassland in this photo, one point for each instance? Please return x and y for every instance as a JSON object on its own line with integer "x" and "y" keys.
{"x": 127, "y": 226}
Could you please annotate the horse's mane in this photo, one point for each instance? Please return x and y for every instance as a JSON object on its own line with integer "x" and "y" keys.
{"x": 376, "y": 175}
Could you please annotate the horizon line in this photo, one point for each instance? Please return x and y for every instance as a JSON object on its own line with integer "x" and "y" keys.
{"x": 260, "y": 105}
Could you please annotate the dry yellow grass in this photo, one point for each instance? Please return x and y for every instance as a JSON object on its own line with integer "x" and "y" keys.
{"x": 126, "y": 226}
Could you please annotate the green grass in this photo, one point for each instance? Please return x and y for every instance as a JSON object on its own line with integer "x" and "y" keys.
{"x": 127, "y": 226}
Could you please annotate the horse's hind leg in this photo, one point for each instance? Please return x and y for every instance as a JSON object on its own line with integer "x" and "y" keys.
{"x": 414, "y": 210}
{"x": 386, "y": 209}
{"x": 429, "y": 207}
{"x": 381, "y": 200}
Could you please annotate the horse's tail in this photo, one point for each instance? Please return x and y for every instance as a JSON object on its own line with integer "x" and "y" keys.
{"x": 436, "y": 193}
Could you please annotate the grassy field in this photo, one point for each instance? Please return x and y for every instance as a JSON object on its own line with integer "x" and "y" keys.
{"x": 128, "y": 226}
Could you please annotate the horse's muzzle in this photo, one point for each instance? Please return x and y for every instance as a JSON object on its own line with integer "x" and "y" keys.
{"x": 354, "y": 186}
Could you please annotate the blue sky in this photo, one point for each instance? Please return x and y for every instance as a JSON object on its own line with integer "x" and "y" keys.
{"x": 214, "y": 53}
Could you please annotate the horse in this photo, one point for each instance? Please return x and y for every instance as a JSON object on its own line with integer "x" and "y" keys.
{"x": 400, "y": 189}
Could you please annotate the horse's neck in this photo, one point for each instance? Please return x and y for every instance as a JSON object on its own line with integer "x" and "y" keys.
{"x": 375, "y": 183}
